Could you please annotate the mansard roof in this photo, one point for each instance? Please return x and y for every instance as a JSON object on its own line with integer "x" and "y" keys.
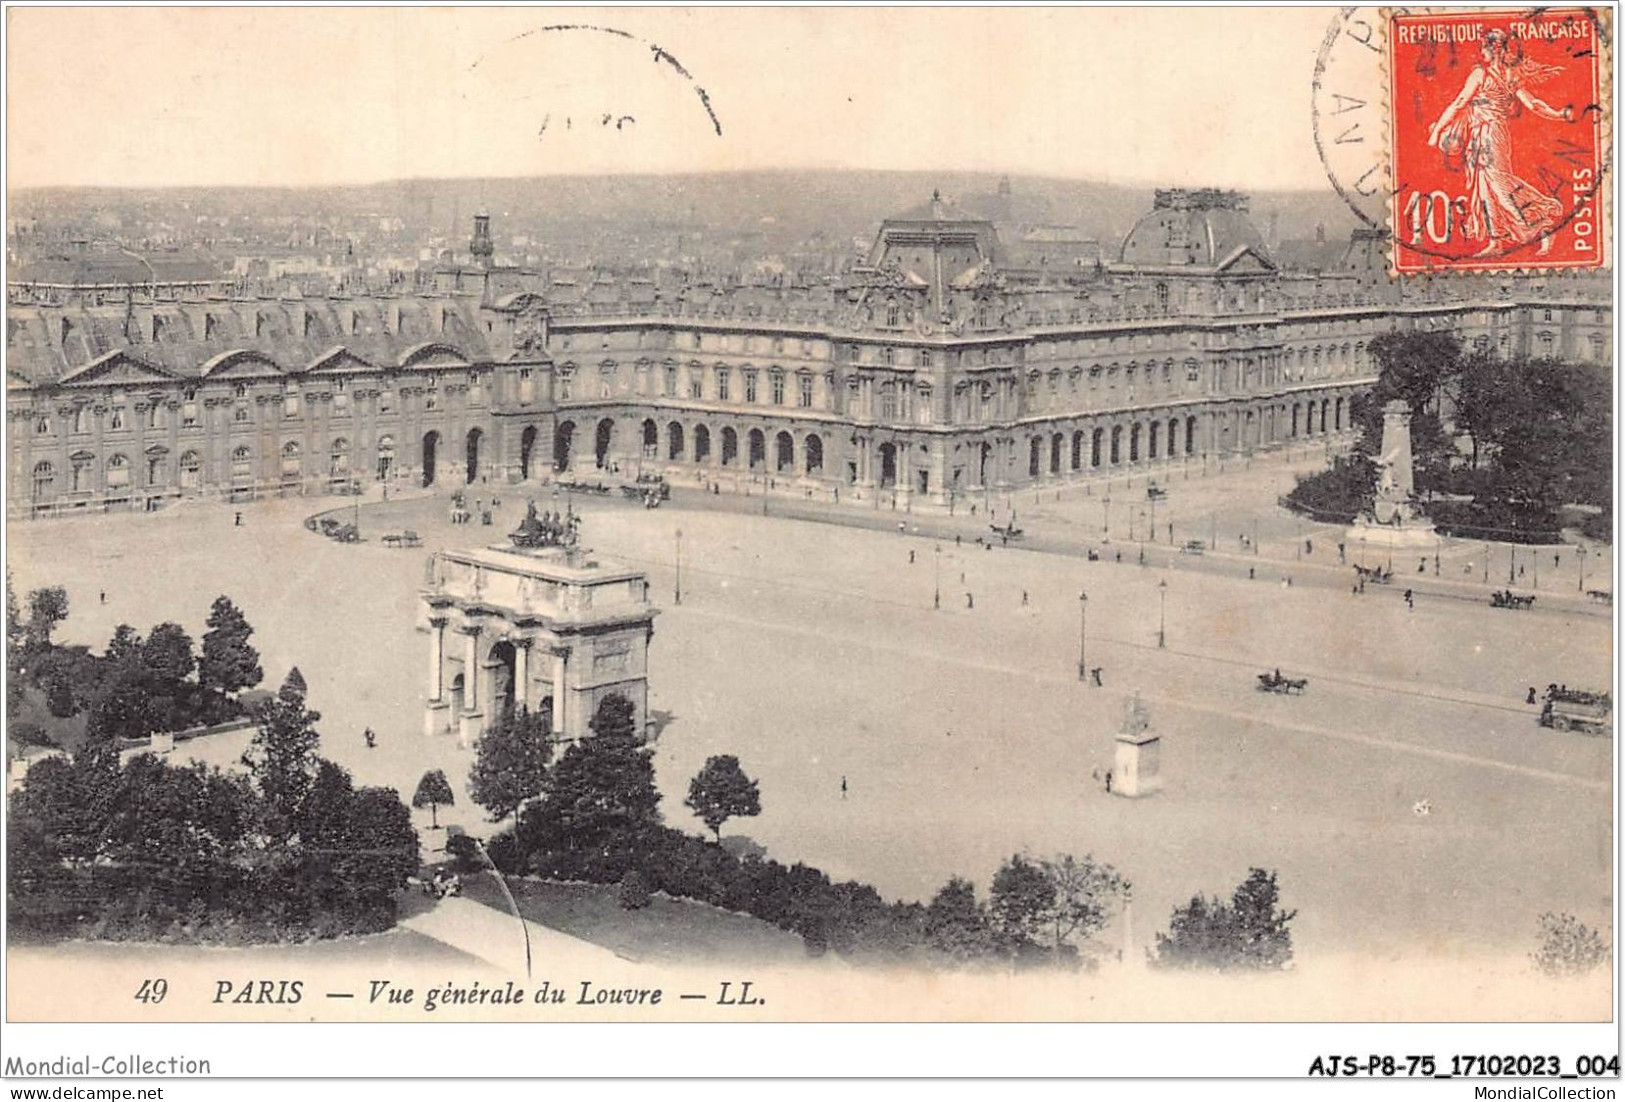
{"x": 191, "y": 339}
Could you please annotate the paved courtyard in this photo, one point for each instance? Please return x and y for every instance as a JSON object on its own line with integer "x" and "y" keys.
{"x": 813, "y": 651}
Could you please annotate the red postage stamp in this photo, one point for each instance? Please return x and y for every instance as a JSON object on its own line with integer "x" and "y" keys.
{"x": 1498, "y": 139}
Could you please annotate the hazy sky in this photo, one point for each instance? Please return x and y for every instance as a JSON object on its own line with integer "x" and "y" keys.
{"x": 135, "y": 96}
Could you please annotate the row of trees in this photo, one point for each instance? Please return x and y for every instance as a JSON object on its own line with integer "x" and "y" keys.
{"x": 594, "y": 816}
{"x": 137, "y": 686}
{"x": 287, "y": 849}
{"x": 1519, "y": 436}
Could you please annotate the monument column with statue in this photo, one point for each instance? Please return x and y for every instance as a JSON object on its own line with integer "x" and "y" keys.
{"x": 1394, "y": 520}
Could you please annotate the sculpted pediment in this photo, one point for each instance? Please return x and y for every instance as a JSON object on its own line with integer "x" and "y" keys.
{"x": 117, "y": 366}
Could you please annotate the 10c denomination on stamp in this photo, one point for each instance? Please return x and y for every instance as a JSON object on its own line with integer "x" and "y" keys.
{"x": 1498, "y": 135}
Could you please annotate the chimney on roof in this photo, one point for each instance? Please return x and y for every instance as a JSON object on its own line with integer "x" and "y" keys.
{"x": 480, "y": 244}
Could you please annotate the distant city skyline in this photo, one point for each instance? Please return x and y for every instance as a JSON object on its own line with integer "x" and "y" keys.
{"x": 306, "y": 98}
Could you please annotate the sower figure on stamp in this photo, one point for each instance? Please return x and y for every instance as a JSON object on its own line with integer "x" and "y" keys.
{"x": 1504, "y": 210}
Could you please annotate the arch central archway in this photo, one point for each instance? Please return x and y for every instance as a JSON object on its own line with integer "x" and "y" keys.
{"x": 474, "y": 438}
{"x": 603, "y": 439}
{"x": 501, "y": 667}
{"x": 527, "y": 445}
{"x": 563, "y": 437}
{"x": 431, "y": 448}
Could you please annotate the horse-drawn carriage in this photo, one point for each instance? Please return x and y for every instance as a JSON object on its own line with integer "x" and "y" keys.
{"x": 1566, "y": 709}
{"x": 1274, "y": 682}
{"x": 1007, "y": 531}
{"x": 1601, "y": 596}
{"x": 1154, "y": 492}
{"x": 407, "y": 538}
{"x": 1505, "y": 598}
{"x": 1375, "y": 574}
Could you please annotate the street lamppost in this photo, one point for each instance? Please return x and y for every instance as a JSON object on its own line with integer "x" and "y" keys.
{"x": 1162, "y": 613}
{"x": 1438, "y": 548}
{"x": 1106, "y": 515}
{"x": 1582, "y": 554}
{"x": 1486, "y": 564}
{"x": 524, "y": 927}
{"x": 936, "y": 586}
{"x": 1512, "y": 563}
{"x": 677, "y": 594}
{"x": 1083, "y": 635}
{"x": 1153, "y": 520}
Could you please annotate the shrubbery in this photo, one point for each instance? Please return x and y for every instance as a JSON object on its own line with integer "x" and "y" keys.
{"x": 152, "y": 851}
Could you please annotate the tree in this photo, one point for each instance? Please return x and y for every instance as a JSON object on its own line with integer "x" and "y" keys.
{"x": 125, "y": 646}
{"x": 721, "y": 791}
{"x": 1022, "y": 898}
{"x": 1085, "y": 894}
{"x": 433, "y": 790}
{"x": 1064, "y": 900}
{"x": 956, "y": 924}
{"x": 1248, "y": 933}
{"x": 167, "y": 653}
{"x": 47, "y": 608}
{"x": 615, "y": 718}
{"x": 281, "y": 759}
{"x": 229, "y": 663}
{"x": 602, "y": 790}
{"x": 510, "y": 762}
{"x": 295, "y": 682}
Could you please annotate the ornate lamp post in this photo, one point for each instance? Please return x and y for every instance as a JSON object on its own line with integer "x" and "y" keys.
{"x": 1083, "y": 635}
{"x": 1582, "y": 554}
{"x": 1162, "y": 613}
{"x": 677, "y": 594}
{"x": 1106, "y": 515}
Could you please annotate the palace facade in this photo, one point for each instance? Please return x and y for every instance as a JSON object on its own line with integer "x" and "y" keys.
{"x": 942, "y": 365}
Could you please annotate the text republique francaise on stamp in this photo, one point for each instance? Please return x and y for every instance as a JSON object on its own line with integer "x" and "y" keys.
{"x": 1498, "y": 139}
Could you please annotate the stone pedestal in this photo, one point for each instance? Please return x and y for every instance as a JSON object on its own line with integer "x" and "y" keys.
{"x": 436, "y": 717}
{"x": 1137, "y": 770}
{"x": 1137, "y": 766}
{"x": 470, "y": 726}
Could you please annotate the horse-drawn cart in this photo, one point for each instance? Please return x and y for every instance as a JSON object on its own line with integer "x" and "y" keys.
{"x": 1274, "y": 682}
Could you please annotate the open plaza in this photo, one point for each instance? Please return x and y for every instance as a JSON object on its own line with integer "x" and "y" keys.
{"x": 906, "y": 687}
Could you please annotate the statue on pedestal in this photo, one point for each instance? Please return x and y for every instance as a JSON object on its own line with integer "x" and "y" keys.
{"x": 1394, "y": 518}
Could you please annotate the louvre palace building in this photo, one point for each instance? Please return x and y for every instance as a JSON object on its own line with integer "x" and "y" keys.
{"x": 945, "y": 364}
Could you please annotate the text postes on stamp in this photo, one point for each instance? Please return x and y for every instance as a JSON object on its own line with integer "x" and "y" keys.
{"x": 1497, "y": 132}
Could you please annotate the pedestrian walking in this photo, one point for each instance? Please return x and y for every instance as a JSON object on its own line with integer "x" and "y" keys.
{"x": 238, "y": 523}
{"x": 1531, "y": 697}
{"x": 843, "y": 786}
{"x": 1251, "y": 573}
{"x": 1095, "y": 673}
{"x": 1023, "y": 598}
{"x": 372, "y": 739}
{"x": 1308, "y": 547}
{"x": 104, "y": 596}
{"x": 1119, "y": 556}
{"x": 970, "y": 600}
{"x": 1341, "y": 553}
{"x": 1354, "y": 590}
{"x": 956, "y": 539}
{"x": 911, "y": 558}
{"x": 1108, "y": 782}
{"x": 1410, "y": 599}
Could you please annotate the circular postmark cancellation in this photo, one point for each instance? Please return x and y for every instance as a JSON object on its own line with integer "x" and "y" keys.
{"x": 1476, "y": 140}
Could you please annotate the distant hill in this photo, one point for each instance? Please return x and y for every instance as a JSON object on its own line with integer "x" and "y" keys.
{"x": 778, "y": 206}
